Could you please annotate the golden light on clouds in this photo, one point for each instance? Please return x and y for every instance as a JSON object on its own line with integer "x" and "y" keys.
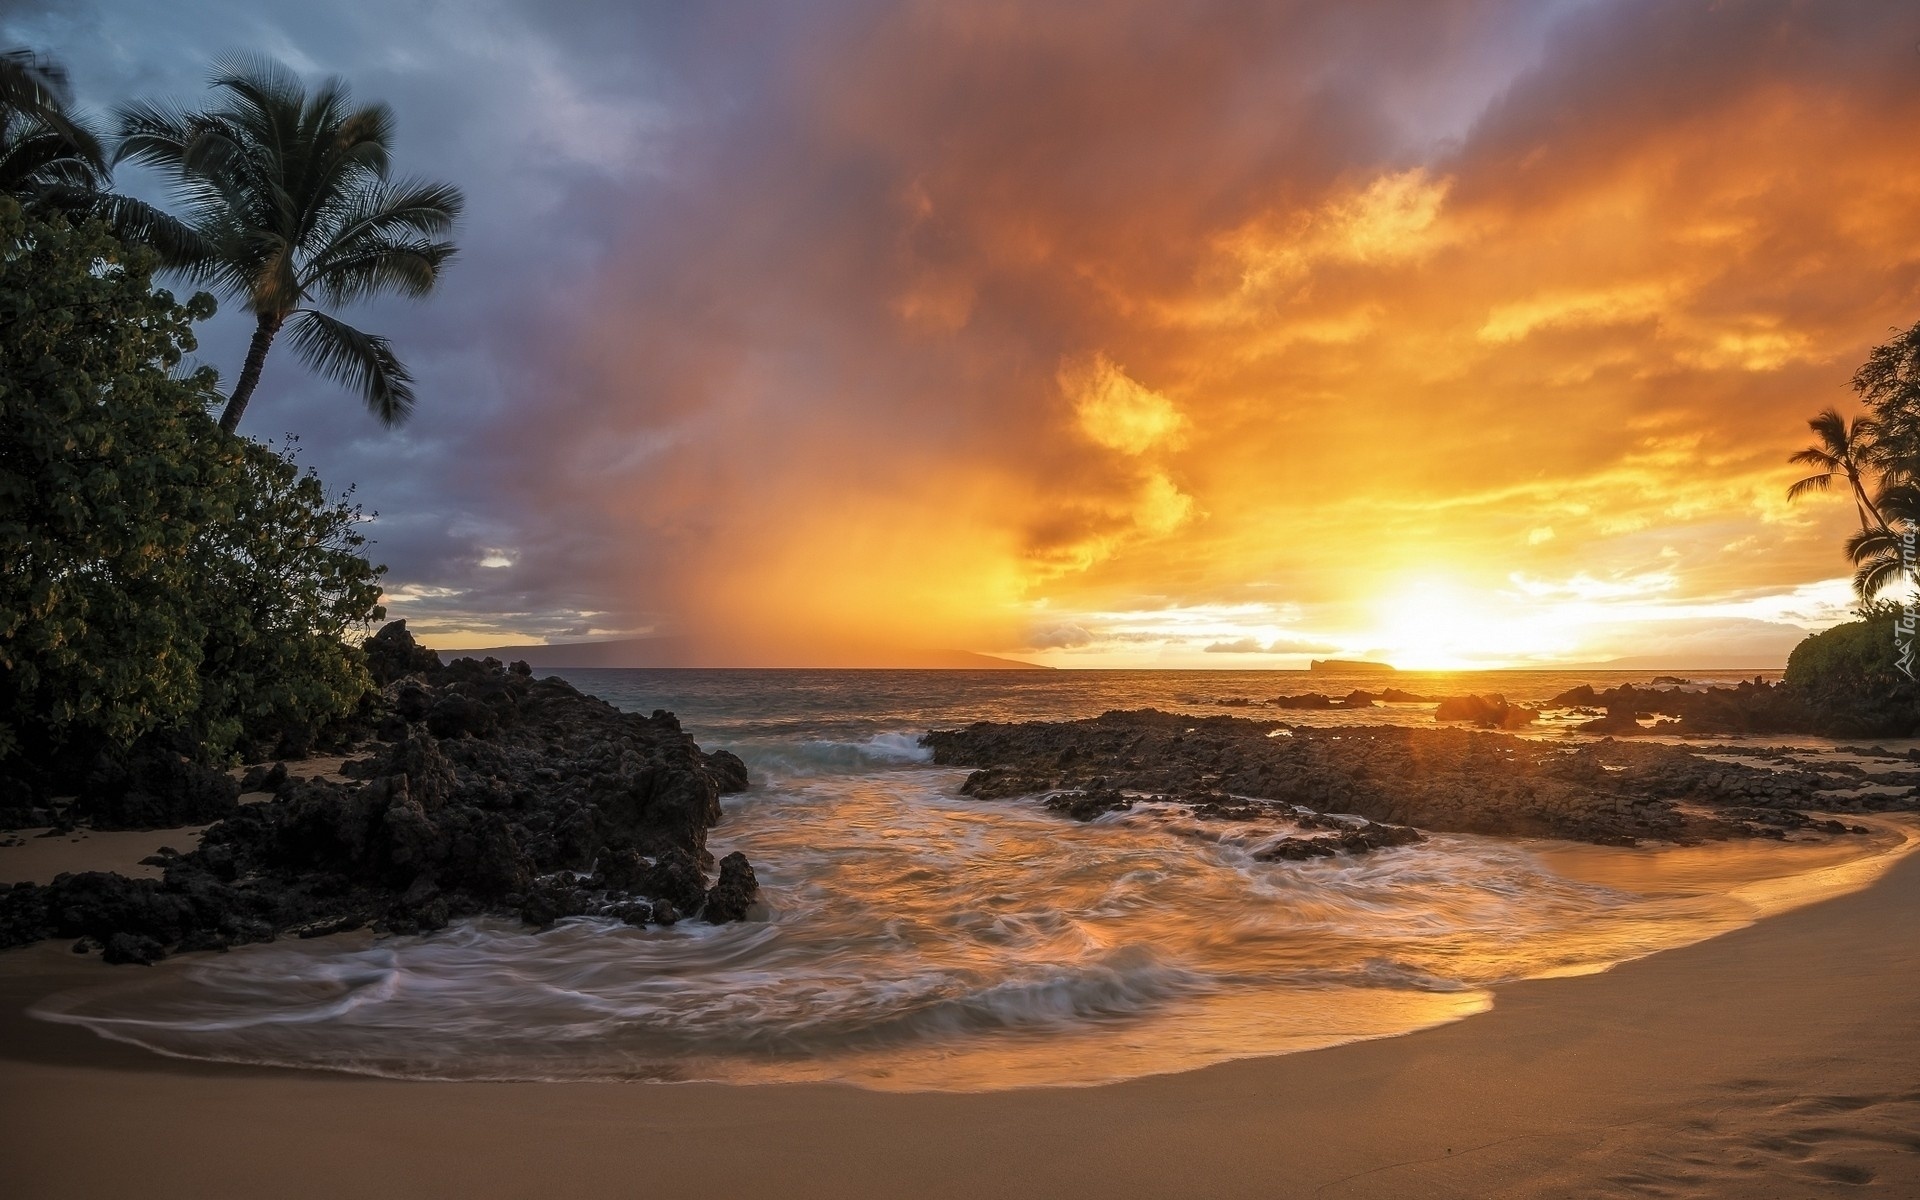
{"x": 1443, "y": 352}
{"x": 1116, "y": 412}
{"x": 1392, "y": 218}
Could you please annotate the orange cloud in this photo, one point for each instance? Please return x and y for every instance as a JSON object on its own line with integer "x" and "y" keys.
{"x": 949, "y": 339}
{"x": 1116, "y": 412}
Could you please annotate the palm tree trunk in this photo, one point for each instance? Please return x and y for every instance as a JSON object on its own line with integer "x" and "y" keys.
{"x": 1862, "y": 505}
{"x": 1871, "y": 506}
{"x": 269, "y": 324}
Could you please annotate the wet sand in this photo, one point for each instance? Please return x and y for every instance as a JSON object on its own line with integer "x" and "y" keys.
{"x": 37, "y": 858}
{"x": 1779, "y": 1060}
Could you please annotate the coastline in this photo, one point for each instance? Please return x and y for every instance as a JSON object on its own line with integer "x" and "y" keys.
{"x": 1773, "y": 1060}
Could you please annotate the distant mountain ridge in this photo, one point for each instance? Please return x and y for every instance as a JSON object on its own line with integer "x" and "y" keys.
{"x": 680, "y": 652}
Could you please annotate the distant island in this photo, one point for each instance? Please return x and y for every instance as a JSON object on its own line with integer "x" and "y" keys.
{"x": 1347, "y": 665}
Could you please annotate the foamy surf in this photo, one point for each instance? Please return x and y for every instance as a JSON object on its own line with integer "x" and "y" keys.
{"x": 774, "y": 762}
{"x": 919, "y": 940}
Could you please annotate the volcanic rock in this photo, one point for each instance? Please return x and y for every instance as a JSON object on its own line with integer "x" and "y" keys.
{"x": 1439, "y": 779}
{"x": 1085, "y": 806}
{"x": 393, "y": 654}
{"x": 677, "y": 879}
{"x": 1368, "y": 837}
{"x": 1312, "y": 700}
{"x": 262, "y": 778}
{"x": 1489, "y": 712}
{"x": 734, "y": 893}
{"x": 1752, "y": 706}
{"x": 496, "y": 793}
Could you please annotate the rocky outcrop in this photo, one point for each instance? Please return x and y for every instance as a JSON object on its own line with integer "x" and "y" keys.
{"x": 1753, "y": 706}
{"x": 1315, "y": 700}
{"x": 1445, "y": 780}
{"x": 1319, "y": 701}
{"x": 1396, "y": 696}
{"x": 733, "y": 893}
{"x": 1347, "y": 835}
{"x": 393, "y": 654}
{"x": 1085, "y": 806}
{"x": 493, "y": 792}
{"x": 1852, "y": 680}
{"x": 1488, "y": 712}
{"x": 1361, "y": 840}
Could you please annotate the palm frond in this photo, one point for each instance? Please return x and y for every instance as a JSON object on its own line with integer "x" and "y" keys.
{"x": 262, "y": 84}
{"x": 31, "y": 81}
{"x": 40, "y": 158}
{"x": 383, "y": 222}
{"x": 179, "y": 245}
{"x": 1867, "y": 544}
{"x": 346, "y": 160}
{"x": 1830, "y": 426}
{"x": 411, "y": 268}
{"x": 1899, "y": 503}
{"x": 153, "y": 133}
{"x": 1877, "y": 574}
{"x": 1877, "y": 556}
{"x": 410, "y": 206}
{"x": 364, "y": 362}
{"x": 1814, "y": 456}
{"x": 37, "y": 87}
{"x": 1813, "y": 483}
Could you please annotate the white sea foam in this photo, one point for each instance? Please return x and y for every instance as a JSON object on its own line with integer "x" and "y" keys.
{"x": 780, "y": 761}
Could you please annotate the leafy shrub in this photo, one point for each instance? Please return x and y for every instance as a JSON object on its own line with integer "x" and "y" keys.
{"x": 1850, "y": 677}
{"x": 155, "y": 574}
{"x": 107, "y": 473}
{"x": 278, "y": 585}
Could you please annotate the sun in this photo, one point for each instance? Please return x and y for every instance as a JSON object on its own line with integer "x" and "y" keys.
{"x": 1436, "y": 623}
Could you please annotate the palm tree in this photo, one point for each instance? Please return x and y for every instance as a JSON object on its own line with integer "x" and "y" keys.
{"x": 287, "y": 193}
{"x": 44, "y": 148}
{"x": 1879, "y": 553}
{"x": 51, "y": 160}
{"x": 1845, "y": 451}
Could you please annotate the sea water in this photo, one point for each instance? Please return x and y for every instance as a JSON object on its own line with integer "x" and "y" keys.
{"x": 915, "y": 939}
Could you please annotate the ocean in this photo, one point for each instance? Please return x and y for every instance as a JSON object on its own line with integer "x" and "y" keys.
{"x": 914, "y": 939}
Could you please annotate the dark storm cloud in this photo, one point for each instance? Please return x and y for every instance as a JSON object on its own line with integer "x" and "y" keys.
{"x": 544, "y": 137}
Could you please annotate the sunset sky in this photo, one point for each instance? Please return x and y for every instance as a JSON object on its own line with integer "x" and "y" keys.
{"x": 1121, "y": 334}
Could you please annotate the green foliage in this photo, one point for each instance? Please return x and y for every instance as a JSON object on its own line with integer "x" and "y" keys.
{"x": 106, "y": 472}
{"x": 1889, "y": 384}
{"x": 154, "y": 574}
{"x": 1850, "y": 675}
{"x": 278, "y": 585}
{"x": 1876, "y": 610}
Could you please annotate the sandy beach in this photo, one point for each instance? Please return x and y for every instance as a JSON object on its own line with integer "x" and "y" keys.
{"x": 1774, "y": 1061}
